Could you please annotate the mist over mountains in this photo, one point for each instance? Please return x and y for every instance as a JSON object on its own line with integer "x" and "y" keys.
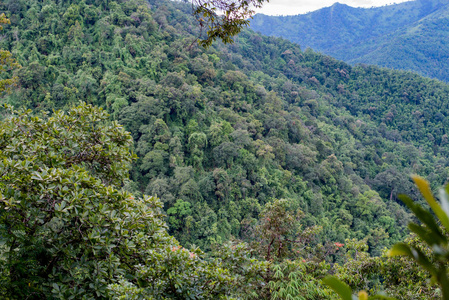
{"x": 409, "y": 36}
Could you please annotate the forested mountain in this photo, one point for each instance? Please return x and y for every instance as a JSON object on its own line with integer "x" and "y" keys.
{"x": 221, "y": 133}
{"x": 407, "y": 36}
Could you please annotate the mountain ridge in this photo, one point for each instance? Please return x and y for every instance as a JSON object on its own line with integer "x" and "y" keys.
{"x": 360, "y": 35}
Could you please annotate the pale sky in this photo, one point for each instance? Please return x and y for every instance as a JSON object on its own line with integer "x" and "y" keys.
{"x": 294, "y": 7}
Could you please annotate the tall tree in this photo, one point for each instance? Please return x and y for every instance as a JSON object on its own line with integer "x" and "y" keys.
{"x": 7, "y": 62}
{"x": 224, "y": 18}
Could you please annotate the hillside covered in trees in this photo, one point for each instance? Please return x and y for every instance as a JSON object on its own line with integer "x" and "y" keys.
{"x": 257, "y": 142}
{"x": 406, "y": 36}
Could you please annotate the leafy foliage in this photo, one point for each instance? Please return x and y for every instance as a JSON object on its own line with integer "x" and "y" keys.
{"x": 7, "y": 63}
{"x": 223, "y": 18}
{"x": 272, "y": 265}
{"x": 68, "y": 230}
{"x": 253, "y": 148}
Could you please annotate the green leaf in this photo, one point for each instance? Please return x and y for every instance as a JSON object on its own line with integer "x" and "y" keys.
{"x": 444, "y": 201}
{"x": 429, "y": 237}
{"x": 402, "y": 249}
{"x": 341, "y": 288}
{"x": 36, "y": 176}
{"x": 424, "y": 216}
{"x": 424, "y": 188}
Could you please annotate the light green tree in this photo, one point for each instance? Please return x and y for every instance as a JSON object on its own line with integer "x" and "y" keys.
{"x": 67, "y": 228}
{"x": 7, "y": 63}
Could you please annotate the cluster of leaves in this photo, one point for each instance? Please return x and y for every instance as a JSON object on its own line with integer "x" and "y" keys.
{"x": 224, "y": 18}
{"x": 279, "y": 262}
{"x": 67, "y": 228}
{"x": 430, "y": 233}
{"x": 394, "y": 276}
{"x": 7, "y": 63}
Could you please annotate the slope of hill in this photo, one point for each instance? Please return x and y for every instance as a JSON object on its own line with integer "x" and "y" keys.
{"x": 408, "y": 36}
{"x": 222, "y": 132}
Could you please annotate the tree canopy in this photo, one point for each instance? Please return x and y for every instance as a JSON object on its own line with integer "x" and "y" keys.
{"x": 282, "y": 164}
{"x": 67, "y": 227}
{"x": 223, "y": 19}
{"x": 7, "y": 63}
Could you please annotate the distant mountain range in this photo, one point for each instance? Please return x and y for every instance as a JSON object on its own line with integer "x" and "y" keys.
{"x": 410, "y": 36}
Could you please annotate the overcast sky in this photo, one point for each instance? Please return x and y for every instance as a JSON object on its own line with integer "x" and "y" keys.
{"x": 294, "y": 7}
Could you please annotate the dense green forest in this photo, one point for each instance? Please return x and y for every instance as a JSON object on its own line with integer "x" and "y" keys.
{"x": 281, "y": 164}
{"x": 406, "y": 36}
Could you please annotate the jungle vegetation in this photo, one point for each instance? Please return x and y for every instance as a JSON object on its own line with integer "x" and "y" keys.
{"x": 268, "y": 167}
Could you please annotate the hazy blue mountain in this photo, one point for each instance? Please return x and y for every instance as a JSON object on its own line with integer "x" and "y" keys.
{"x": 411, "y": 35}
